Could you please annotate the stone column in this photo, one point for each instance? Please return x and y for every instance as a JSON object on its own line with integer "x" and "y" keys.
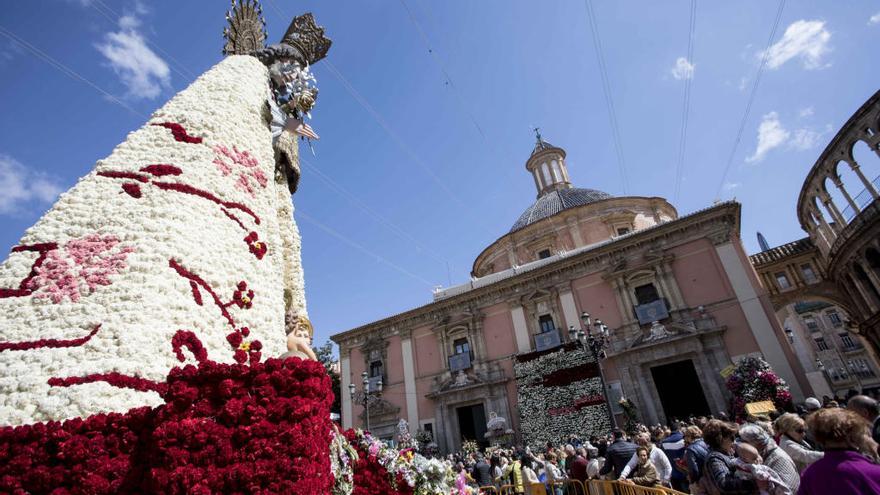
{"x": 839, "y": 221}
{"x": 569, "y": 310}
{"x": 520, "y": 329}
{"x": 758, "y": 320}
{"x": 345, "y": 378}
{"x": 409, "y": 381}
{"x": 839, "y": 184}
{"x": 867, "y": 183}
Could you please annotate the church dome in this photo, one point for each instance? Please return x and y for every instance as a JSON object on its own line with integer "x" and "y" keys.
{"x": 556, "y": 201}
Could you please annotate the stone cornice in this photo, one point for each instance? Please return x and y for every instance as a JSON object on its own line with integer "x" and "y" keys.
{"x": 722, "y": 221}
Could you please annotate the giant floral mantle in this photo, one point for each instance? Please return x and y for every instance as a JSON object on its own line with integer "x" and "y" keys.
{"x": 559, "y": 394}
{"x": 181, "y": 228}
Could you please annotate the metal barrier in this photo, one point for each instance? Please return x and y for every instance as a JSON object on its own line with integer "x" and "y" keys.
{"x": 488, "y": 489}
{"x": 600, "y": 487}
{"x": 573, "y": 487}
{"x": 507, "y": 490}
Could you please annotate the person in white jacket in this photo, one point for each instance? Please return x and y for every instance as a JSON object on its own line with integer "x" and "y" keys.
{"x": 791, "y": 431}
{"x": 655, "y": 455}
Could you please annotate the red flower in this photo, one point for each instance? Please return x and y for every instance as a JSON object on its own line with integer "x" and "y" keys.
{"x": 256, "y": 247}
{"x": 234, "y": 339}
{"x": 242, "y": 297}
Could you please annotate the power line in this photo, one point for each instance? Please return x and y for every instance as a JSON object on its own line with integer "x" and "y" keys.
{"x": 606, "y": 89}
{"x": 393, "y": 135}
{"x": 383, "y": 124}
{"x": 183, "y": 72}
{"x": 66, "y": 70}
{"x": 442, "y": 67}
{"x": 751, "y": 99}
{"x": 682, "y": 141}
{"x": 399, "y": 232}
{"x": 360, "y": 248}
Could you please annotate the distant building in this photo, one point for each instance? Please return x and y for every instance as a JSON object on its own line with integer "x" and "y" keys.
{"x": 678, "y": 292}
{"x": 839, "y": 262}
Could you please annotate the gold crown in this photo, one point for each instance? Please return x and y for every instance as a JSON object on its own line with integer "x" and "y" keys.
{"x": 308, "y": 38}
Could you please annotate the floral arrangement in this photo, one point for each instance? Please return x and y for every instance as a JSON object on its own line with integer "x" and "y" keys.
{"x": 224, "y": 428}
{"x": 632, "y": 415}
{"x": 90, "y": 298}
{"x": 753, "y": 381}
{"x": 383, "y": 469}
{"x": 559, "y": 394}
{"x": 469, "y": 447}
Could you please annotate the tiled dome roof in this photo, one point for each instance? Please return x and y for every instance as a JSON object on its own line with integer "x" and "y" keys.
{"x": 556, "y": 201}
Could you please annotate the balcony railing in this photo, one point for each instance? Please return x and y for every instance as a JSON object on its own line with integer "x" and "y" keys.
{"x": 862, "y": 200}
{"x": 547, "y": 340}
{"x": 458, "y": 362}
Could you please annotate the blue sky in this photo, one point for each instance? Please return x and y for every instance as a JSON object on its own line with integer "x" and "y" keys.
{"x": 421, "y": 159}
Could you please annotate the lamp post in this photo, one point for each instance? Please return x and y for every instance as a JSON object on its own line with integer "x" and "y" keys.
{"x": 594, "y": 342}
{"x": 366, "y": 395}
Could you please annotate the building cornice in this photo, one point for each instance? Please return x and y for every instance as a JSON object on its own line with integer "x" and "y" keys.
{"x": 722, "y": 220}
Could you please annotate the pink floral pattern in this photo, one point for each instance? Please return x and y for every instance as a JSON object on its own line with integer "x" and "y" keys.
{"x": 79, "y": 268}
{"x": 241, "y": 163}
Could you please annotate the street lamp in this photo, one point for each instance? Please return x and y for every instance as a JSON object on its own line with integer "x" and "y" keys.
{"x": 366, "y": 395}
{"x": 595, "y": 342}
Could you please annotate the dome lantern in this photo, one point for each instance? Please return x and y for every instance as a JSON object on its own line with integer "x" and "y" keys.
{"x": 547, "y": 166}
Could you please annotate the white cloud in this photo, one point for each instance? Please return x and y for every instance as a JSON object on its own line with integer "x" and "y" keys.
{"x": 742, "y": 83}
{"x": 683, "y": 69}
{"x": 875, "y": 19}
{"x": 730, "y": 186}
{"x": 21, "y": 187}
{"x": 142, "y": 71}
{"x": 807, "y": 40}
{"x": 772, "y": 134}
{"x": 805, "y": 112}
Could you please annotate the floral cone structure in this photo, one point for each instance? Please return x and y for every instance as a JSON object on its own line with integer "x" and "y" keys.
{"x": 186, "y": 226}
{"x": 136, "y": 316}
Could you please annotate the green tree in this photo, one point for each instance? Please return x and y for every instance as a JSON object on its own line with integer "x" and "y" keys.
{"x": 331, "y": 364}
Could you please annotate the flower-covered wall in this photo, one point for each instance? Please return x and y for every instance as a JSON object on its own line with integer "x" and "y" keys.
{"x": 179, "y": 229}
{"x": 559, "y": 394}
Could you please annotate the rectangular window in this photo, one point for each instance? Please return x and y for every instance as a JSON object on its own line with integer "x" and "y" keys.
{"x": 375, "y": 369}
{"x": 545, "y": 323}
{"x": 811, "y": 324}
{"x": 646, "y": 294}
{"x": 834, "y": 316}
{"x": 809, "y": 274}
{"x": 782, "y": 281}
{"x": 847, "y": 341}
{"x": 544, "y": 253}
{"x": 461, "y": 346}
{"x": 821, "y": 344}
{"x": 622, "y": 230}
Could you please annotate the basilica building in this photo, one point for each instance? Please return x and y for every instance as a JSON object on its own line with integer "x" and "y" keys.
{"x": 678, "y": 296}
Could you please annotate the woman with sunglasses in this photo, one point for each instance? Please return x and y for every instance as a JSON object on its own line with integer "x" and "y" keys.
{"x": 791, "y": 429}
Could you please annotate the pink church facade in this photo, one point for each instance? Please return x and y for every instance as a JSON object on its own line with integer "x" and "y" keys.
{"x": 678, "y": 293}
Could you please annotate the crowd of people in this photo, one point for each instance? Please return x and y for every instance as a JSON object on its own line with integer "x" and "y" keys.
{"x": 824, "y": 449}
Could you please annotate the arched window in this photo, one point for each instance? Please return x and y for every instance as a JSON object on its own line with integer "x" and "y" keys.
{"x": 545, "y": 170}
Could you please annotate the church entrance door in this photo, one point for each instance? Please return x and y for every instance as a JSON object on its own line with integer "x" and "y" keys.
{"x": 472, "y": 424}
{"x": 680, "y": 391}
